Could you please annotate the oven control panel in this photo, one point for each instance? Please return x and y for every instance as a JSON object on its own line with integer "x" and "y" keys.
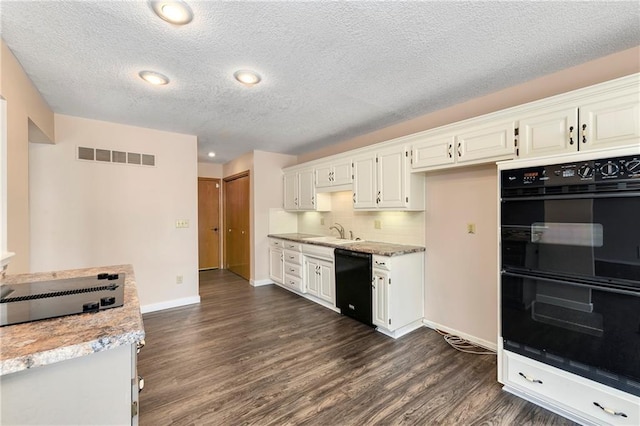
{"x": 617, "y": 169}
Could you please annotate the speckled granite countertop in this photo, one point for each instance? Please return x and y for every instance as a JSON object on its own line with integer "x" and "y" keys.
{"x": 373, "y": 247}
{"x": 39, "y": 343}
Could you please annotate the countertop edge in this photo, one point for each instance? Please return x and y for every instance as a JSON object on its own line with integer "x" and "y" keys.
{"x": 371, "y": 247}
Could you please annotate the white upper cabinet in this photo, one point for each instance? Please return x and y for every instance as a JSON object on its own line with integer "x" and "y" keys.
{"x": 381, "y": 180}
{"x": 549, "y": 132}
{"x": 334, "y": 174}
{"x": 300, "y": 192}
{"x": 609, "y": 118}
{"x": 487, "y": 141}
{"x": 610, "y": 122}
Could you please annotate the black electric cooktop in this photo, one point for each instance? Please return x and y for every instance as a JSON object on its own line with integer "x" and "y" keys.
{"x": 32, "y": 301}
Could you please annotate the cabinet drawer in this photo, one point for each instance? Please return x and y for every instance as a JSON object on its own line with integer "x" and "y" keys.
{"x": 593, "y": 400}
{"x": 276, "y": 243}
{"x": 294, "y": 283}
{"x": 289, "y": 245}
{"x": 292, "y": 257}
{"x": 382, "y": 262}
{"x": 293, "y": 269}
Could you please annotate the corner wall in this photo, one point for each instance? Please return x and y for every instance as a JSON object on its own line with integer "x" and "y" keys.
{"x": 88, "y": 213}
{"x": 24, "y": 105}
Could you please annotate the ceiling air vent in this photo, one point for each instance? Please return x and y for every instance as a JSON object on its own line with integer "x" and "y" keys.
{"x": 118, "y": 157}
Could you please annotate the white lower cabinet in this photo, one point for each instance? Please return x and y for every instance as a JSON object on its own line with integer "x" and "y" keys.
{"x": 293, "y": 267}
{"x": 572, "y": 396}
{"x": 276, "y": 261}
{"x": 398, "y": 301}
{"x": 319, "y": 278}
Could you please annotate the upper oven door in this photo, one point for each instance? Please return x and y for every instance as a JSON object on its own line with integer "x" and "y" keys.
{"x": 583, "y": 236}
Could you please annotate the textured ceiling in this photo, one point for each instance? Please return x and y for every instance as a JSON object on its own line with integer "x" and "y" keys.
{"x": 332, "y": 70}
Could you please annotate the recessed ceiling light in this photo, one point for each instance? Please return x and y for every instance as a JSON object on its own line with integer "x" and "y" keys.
{"x": 211, "y": 154}
{"x": 154, "y": 77}
{"x": 247, "y": 77}
{"x": 173, "y": 11}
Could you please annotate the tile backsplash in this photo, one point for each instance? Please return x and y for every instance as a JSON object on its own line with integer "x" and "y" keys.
{"x": 395, "y": 227}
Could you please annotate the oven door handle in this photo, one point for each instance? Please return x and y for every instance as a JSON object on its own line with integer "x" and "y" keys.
{"x": 621, "y": 194}
{"x": 575, "y": 283}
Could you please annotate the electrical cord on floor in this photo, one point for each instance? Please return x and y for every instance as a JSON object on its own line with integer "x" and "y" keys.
{"x": 462, "y": 345}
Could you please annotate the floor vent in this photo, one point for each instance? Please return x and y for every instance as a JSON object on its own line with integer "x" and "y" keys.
{"x": 121, "y": 157}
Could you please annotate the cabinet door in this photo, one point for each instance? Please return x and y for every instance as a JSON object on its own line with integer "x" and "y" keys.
{"x": 610, "y": 123}
{"x": 381, "y": 299}
{"x": 323, "y": 176}
{"x": 391, "y": 167}
{"x": 311, "y": 276}
{"x": 550, "y": 132}
{"x": 276, "y": 265}
{"x": 341, "y": 173}
{"x": 306, "y": 190}
{"x": 291, "y": 191}
{"x": 434, "y": 151}
{"x": 326, "y": 281}
{"x": 364, "y": 182}
{"x": 493, "y": 142}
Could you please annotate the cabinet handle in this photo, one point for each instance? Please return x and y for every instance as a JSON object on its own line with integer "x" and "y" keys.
{"x": 571, "y": 135}
{"x": 140, "y": 345}
{"x": 449, "y": 151}
{"x": 380, "y": 263}
{"x": 378, "y": 199}
{"x": 295, "y": 201}
{"x": 459, "y": 152}
{"x": 531, "y": 379}
{"x": 313, "y": 202}
{"x": 584, "y": 133}
{"x": 354, "y": 198}
{"x": 610, "y": 411}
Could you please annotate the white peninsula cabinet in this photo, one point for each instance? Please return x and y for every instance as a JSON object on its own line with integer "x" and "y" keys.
{"x": 382, "y": 180}
{"x": 464, "y": 144}
{"x": 398, "y": 293}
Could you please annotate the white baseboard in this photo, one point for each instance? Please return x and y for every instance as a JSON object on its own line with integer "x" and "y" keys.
{"x": 258, "y": 283}
{"x": 169, "y": 304}
{"x": 492, "y": 346}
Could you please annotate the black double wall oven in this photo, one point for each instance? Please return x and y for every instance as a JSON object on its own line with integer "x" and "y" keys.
{"x": 570, "y": 276}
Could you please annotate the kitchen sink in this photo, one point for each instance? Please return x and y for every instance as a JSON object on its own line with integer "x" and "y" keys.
{"x": 332, "y": 240}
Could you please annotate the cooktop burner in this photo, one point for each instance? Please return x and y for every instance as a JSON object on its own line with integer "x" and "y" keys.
{"x": 32, "y": 301}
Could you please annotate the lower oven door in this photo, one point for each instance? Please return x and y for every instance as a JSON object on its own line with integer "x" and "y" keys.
{"x": 589, "y": 330}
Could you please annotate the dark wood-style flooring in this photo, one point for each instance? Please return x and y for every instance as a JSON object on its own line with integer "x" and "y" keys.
{"x": 264, "y": 356}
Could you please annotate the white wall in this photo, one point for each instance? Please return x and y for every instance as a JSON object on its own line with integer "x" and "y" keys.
{"x": 87, "y": 213}
{"x": 267, "y": 194}
{"x": 461, "y": 269}
{"x": 209, "y": 170}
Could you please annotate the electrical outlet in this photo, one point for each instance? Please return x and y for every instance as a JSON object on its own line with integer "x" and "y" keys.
{"x": 182, "y": 223}
{"x": 178, "y": 279}
{"x": 377, "y": 224}
{"x": 471, "y": 228}
{"x": 322, "y": 221}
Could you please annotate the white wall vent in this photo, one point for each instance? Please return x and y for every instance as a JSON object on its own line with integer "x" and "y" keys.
{"x": 108, "y": 156}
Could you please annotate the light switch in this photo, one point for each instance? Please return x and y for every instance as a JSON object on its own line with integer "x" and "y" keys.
{"x": 377, "y": 224}
{"x": 322, "y": 221}
{"x": 471, "y": 228}
{"x": 182, "y": 223}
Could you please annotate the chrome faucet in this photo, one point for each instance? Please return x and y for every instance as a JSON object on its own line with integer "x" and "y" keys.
{"x": 340, "y": 229}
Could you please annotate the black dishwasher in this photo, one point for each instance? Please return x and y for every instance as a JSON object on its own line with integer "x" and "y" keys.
{"x": 353, "y": 284}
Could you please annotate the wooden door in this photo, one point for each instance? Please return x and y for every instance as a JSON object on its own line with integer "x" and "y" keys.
{"x": 208, "y": 223}
{"x": 237, "y": 235}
